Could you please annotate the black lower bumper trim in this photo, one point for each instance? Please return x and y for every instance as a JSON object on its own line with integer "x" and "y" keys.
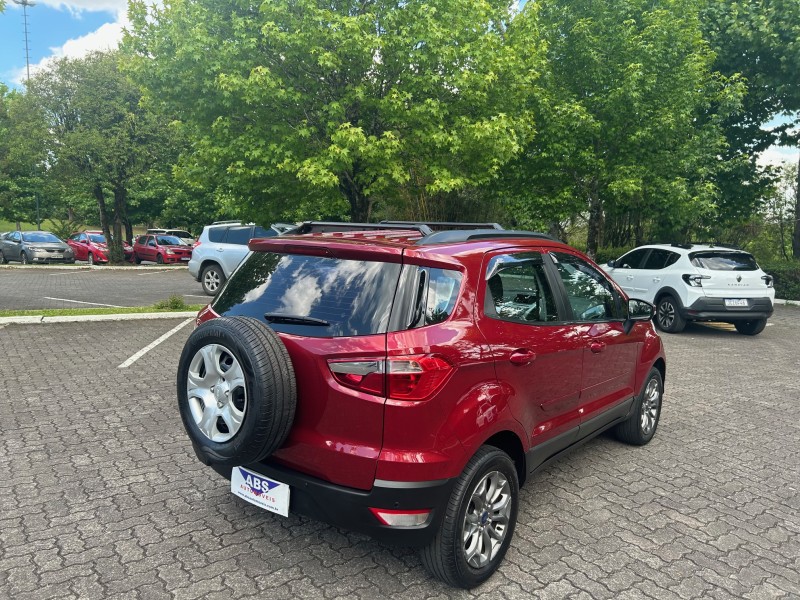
{"x": 714, "y": 309}
{"x": 348, "y": 508}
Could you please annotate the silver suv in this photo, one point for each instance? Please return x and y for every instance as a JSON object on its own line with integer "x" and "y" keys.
{"x": 220, "y": 249}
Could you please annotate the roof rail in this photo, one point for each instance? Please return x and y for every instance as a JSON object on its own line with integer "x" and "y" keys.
{"x": 328, "y": 227}
{"x": 446, "y": 225}
{"x": 689, "y": 245}
{"x": 226, "y": 222}
{"x": 454, "y": 236}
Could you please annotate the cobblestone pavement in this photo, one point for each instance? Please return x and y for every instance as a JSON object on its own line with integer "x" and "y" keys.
{"x": 101, "y": 496}
{"x": 38, "y": 286}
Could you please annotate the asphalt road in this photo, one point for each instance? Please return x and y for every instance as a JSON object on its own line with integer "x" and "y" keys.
{"x": 102, "y": 497}
{"x": 39, "y": 286}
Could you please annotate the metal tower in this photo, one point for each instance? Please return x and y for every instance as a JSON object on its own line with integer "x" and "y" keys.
{"x": 25, "y": 4}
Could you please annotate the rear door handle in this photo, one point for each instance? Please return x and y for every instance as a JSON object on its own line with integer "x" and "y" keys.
{"x": 597, "y": 347}
{"x": 523, "y": 356}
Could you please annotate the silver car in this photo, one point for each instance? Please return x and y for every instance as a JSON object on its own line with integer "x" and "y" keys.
{"x": 34, "y": 247}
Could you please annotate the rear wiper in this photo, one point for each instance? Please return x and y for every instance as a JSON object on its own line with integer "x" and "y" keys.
{"x": 294, "y": 319}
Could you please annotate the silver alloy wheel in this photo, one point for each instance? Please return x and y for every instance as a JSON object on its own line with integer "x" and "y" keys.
{"x": 650, "y": 405}
{"x": 666, "y": 314}
{"x": 211, "y": 279}
{"x": 487, "y": 519}
{"x": 217, "y": 393}
{"x": 90, "y": 258}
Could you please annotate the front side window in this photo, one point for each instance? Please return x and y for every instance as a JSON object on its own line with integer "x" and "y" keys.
{"x": 590, "y": 294}
{"x": 517, "y": 289}
{"x": 312, "y": 296}
{"x": 633, "y": 259}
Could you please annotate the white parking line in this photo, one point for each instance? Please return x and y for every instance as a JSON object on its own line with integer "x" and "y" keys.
{"x": 82, "y": 302}
{"x": 152, "y": 345}
{"x": 196, "y": 295}
{"x": 155, "y": 272}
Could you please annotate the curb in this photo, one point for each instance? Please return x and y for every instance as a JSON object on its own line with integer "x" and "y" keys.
{"x": 37, "y": 319}
{"x": 786, "y": 302}
{"x": 87, "y": 267}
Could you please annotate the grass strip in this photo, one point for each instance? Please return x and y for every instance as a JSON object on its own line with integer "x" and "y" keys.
{"x": 75, "y": 312}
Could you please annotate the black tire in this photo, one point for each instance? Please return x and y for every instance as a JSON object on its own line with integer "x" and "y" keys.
{"x": 445, "y": 557}
{"x": 641, "y": 426}
{"x": 753, "y": 327}
{"x": 90, "y": 258}
{"x": 23, "y": 258}
{"x": 668, "y": 316}
{"x": 159, "y": 259}
{"x": 212, "y": 279}
{"x": 270, "y": 394}
{"x": 137, "y": 260}
{"x": 3, "y": 259}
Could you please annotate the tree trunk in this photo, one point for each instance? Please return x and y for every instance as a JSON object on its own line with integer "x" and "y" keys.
{"x": 116, "y": 254}
{"x": 595, "y": 232}
{"x": 360, "y": 206}
{"x": 796, "y": 234}
{"x": 101, "y": 205}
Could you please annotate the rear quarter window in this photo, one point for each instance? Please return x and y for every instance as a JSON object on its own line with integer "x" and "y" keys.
{"x": 351, "y": 297}
{"x": 217, "y": 234}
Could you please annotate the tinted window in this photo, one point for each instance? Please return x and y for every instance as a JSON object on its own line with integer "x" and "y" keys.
{"x": 517, "y": 289}
{"x": 260, "y": 232}
{"x": 590, "y": 295}
{"x": 141, "y": 240}
{"x": 633, "y": 259}
{"x": 353, "y": 297}
{"x": 217, "y": 234}
{"x": 436, "y": 296}
{"x": 239, "y": 235}
{"x": 660, "y": 259}
{"x": 720, "y": 260}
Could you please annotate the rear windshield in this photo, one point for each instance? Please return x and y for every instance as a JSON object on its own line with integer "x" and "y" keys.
{"x": 336, "y": 297}
{"x": 718, "y": 260}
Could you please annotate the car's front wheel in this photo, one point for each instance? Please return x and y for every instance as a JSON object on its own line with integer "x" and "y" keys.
{"x": 641, "y": 426}
{"x": 90, "y": 258}
{"x": 159, "y": 259}
{"x": 212, "y": 279}
{"x": 753, "y": 327}
{"x": 24, "y": 259}
{"x": 668, "y": 316}
{"x": 478, "y": 523}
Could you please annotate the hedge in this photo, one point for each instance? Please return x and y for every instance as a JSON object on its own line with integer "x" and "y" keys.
{"x": 787, "y": 278}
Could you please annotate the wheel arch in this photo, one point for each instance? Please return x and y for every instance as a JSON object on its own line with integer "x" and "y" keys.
{"x": 668, "y": 291}
{"x": 509, "y": 442}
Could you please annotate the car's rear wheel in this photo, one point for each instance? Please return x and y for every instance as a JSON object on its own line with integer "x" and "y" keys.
{"x": 236, "y": 390}
{"x": 479, "y": 521}
{"x": 641, "y": 426}
{"x": 753, "y": 327}
{"x": 212, "y": 279}
{"x": 668, "y": 316}
{"x": 3, "y": 259}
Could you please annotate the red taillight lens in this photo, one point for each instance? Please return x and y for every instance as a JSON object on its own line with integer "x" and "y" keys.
{"x": 414, "y": 377}
{"x": 206, "y": 314}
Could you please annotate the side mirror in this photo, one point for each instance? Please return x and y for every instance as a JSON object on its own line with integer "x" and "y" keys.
{"x": 611, "y": 263}
{"x": 638, "y": 310}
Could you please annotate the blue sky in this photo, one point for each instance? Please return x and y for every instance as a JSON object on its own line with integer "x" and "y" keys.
{"x": 56, "y": 28}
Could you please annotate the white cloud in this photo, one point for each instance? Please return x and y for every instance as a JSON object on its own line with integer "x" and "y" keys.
{"x": 118, "y": 7}
{"x": 778, "y": 155}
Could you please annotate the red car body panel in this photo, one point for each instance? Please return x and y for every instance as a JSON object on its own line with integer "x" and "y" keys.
{"x": 84, "y": 245}
{"x": 576, "y": 372}
{"x": 143, "y": 249}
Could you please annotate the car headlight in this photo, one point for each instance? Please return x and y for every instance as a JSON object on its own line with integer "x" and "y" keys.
{"x": 170, "y": 251}
{"x": 35, "y": 248}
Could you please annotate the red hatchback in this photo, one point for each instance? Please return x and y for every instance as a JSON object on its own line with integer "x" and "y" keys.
{"x": 161, "y": 249}
{"x": 404, "y": 382}
{"x": 92, "y": 247}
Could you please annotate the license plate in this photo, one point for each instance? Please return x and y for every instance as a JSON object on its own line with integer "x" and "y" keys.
{"x": 262, "y": 491}
{"x": 185, "y": 258}
{"x": 731, "y": 302}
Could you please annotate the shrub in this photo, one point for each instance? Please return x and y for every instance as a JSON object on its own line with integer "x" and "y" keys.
{"x": 174, "y": 302}
{"x": 787, "y": 278}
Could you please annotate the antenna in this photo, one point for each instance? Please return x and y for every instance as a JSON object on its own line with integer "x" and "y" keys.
{"x": 25, "y": 4}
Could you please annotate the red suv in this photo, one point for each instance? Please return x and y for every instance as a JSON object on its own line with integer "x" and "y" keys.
{"x": 404, "y": 382}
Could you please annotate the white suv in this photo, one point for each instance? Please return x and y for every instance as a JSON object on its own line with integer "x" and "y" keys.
{"x": 220, "y": 249}
{"x": 697, "y": 282}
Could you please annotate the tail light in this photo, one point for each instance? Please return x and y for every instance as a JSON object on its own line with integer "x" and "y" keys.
{"x": 413, "y": 377}
{"x": 695, "y": 280}
{"x": 769, "y": 280}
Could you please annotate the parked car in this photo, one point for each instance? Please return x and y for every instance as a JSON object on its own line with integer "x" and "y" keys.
{"x": 697, "y": 282}
{"x": 404, "y": 383}
{"x": 161, "y": 249}
{"x": 34, "y": 247}
{"x": 184, "y": 236}
{"x": 220, "y": 249}
{"x": 92, "y": 246}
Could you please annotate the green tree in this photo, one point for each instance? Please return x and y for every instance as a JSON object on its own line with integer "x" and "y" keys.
{"x": 101, "y": 141}
{"x": 628, "y": 121}
{"x": 315, "y": 107}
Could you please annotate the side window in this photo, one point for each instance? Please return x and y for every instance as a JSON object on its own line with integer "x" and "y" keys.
{"x": 75, "y": 236}
{"x": 517, "y": 289}
{"x": 217, "y": 234}
{"x": 142, "y": 240}
{"x": 660, "y": 259}
{"x": 633, "y": 259}
{"x": 151, "y": 241}
{"x": 589, "y": 293}
{"x": 260, "y": 232}
{"x": 239, "y": 235}
{"x": 16, "y": 237}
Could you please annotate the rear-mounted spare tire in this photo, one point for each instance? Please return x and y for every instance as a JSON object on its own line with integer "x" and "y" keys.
{"x": 236, "y": 390}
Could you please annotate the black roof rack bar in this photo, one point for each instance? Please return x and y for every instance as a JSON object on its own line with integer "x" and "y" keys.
{"x": 688, "y": 245}
{"x": 454, "y": 236}
{"x": 330, "y": 227}
{"x": 445, "y": 225}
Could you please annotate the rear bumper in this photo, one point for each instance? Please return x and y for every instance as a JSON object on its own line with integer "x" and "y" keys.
{"x": 714, "y": 309}
{"x": 348, "y": 508}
